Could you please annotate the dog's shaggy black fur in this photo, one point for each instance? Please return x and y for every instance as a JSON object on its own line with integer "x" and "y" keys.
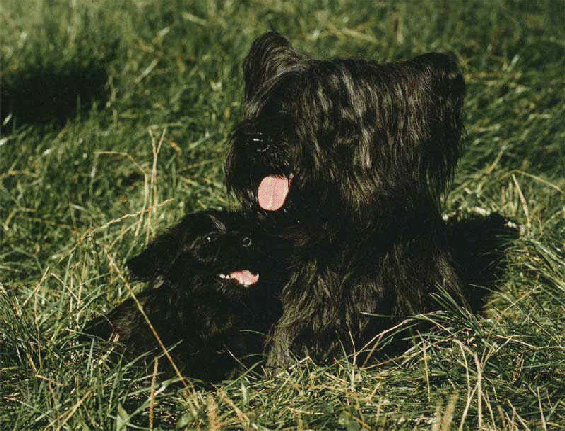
{"x": 347, "y": 160}
{"x": 340, "y": 166}
{"x": 200, "y": 299}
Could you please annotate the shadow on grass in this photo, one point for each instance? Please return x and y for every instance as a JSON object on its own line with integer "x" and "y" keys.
{"x": 479, "y": 245}
{"x": 51, "y": 95}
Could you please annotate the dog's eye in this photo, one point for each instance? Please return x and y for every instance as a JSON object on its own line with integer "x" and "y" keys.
{"x": 246, "y": 242}
{"x": 209, "y": 239}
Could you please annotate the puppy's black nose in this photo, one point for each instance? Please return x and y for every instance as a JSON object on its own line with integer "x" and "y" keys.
{"x": 246, "y": 242}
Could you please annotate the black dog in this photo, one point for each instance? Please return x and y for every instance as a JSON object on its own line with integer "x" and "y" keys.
{"x": 347, "y": 160}
{"x": 211, "y": 300}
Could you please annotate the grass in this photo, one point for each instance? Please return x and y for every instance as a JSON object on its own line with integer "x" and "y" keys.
{"x": 114, "y": 117}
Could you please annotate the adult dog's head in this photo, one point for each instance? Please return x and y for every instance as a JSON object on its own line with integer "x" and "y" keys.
{"x": 348, "y": 137}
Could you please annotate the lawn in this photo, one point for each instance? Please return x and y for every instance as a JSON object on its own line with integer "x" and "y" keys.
{"x": 114, "y": 117}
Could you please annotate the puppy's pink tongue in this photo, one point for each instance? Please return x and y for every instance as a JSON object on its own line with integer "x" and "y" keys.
{"x": 245, "y": 277}
{"x": 272, "y": 192}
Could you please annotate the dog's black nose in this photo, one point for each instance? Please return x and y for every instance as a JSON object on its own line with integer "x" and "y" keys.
{"x": 265, "y": 148}
{"x": 246, "y": 242}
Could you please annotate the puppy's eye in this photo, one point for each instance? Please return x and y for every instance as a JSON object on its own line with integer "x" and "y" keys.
{"x": 246, "y": 242}
{"x": 209, "y": 239}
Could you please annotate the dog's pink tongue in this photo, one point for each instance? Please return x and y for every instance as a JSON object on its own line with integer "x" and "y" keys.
{"x": 244, "y": 277}
{"x": 272, "y": 192}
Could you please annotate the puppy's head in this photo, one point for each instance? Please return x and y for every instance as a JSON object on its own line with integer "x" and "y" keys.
{"x": 204, "y": 248}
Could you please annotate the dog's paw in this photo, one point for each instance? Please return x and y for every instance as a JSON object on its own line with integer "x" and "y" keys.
{"x": 278, "y": 356}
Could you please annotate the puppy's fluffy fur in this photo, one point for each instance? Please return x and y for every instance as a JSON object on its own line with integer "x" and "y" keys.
{"x": 209, "y": 298}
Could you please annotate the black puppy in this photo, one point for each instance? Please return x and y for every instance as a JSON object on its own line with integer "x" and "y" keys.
{"x": 210, "y": 299}
{"x": 347, "y": 160}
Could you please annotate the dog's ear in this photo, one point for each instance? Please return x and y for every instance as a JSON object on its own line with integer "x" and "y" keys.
{"x": 163, "y": 251}
{"x": 158, "y": 257}
{"x": 445, "y": 96}
{"x": 270, "y": 55}
{"x": 446, "y": 77}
